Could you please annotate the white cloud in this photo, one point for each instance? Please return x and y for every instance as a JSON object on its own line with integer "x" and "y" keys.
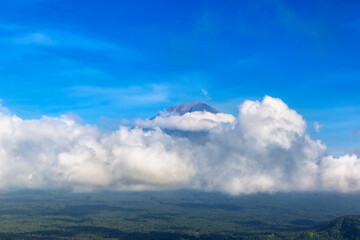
{"x": 25, "y": 36}
{"x": 60, "y": 39}
{"x": 270, "y": 122}
{"x": 317, "y": 126}
{"x": 57, "y": 152}
{"x": 265, "y": 149}
{"x": 206, "y": 94}
{"x": 341, "y": 174}
{"x": 192, "y": 121}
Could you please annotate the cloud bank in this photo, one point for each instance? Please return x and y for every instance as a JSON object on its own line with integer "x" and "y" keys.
{"x": 265, "y": 149}
{"x": 191, "y": 121}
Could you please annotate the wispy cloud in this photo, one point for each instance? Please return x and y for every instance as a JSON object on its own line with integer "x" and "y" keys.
{"x": 35, "y": 38}
{"x": 317, "y": 126}
{"x": 206, "y": 94}
{"x": 63, "y": 57}
{"x": 132, "y": 96}
{"x": 55, "y": 38}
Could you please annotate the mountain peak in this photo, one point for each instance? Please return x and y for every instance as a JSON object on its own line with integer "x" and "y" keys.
{"x": 192, "y": 107}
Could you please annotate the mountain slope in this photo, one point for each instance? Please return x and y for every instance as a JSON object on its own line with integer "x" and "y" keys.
{"x": 190, "y": 107}
{"x": 346, "y": 227}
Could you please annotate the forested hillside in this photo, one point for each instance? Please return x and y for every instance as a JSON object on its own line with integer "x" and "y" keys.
{"x": 177, "y": 215}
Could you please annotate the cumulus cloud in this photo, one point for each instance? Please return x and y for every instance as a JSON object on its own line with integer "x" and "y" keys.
{"x": 270, "y": 122}
{"x": 265, "y": 149}
{"x": 341, "y": 174}
{"x": 58, "y": 152}
{"x": 191, "y": 121}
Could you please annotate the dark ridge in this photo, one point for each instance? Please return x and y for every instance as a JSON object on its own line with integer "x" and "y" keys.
{"x": 346, "y": 227}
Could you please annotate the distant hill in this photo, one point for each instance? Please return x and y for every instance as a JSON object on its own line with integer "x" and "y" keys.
{"x": 346, "y": 227}
{"x": 342, "y": 228}
{"x": 190, "y": 107}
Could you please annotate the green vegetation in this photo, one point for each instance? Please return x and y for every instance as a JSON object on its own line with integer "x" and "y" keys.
{"x": 177, "y": 215}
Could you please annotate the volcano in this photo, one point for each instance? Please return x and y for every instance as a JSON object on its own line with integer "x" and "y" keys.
{"x": 190, "y": 107}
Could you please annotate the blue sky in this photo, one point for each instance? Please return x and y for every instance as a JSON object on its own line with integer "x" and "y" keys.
{"x": 111, "y": 60}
